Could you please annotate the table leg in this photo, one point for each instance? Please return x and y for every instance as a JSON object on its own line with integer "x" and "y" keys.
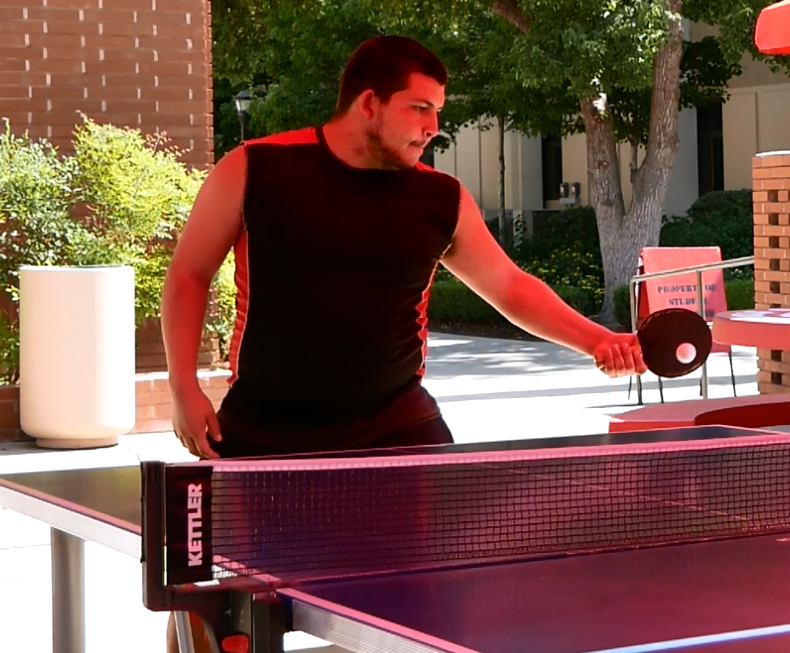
{"x": 68, "y": 592}
{"x": 268, "y": 624}
{"x": 701, "y": 307}
{"x": 184, "y": 633}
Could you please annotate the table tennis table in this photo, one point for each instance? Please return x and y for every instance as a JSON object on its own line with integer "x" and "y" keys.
{"x": 667, "y": 540}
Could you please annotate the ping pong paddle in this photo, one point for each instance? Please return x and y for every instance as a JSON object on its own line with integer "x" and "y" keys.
{"x": 674, "y": 342}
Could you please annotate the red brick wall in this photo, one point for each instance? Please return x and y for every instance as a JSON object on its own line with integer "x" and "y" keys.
{"x": 144, "y": 64}
{"x": 152, "y": 397}
{"x": 154, "y": 407}
{"x": 771, "y": 185}
{"x": 150, "y": 349}
{"x": 9, "y": 414}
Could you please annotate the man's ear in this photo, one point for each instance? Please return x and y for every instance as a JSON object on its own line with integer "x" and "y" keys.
{"x": 368, "y": 103}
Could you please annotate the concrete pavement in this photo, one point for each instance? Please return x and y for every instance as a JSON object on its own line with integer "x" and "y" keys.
{"x": 488, "y": 390}
{"x": 498, "y": 389}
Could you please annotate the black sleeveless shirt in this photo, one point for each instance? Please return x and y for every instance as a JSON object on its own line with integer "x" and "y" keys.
{"x": 333, "y": 270}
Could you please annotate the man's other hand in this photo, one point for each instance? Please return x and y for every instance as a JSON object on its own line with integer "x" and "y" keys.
{"x": 194, "y": 421}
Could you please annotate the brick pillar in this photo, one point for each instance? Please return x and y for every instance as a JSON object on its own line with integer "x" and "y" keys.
{"x": 144, "y": 64}
{"x": 771, "y": 185}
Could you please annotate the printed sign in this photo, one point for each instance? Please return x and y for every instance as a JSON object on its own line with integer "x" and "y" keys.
{"x": 681, "y": 291}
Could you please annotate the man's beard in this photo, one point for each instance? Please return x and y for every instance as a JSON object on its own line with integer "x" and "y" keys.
{"x": 385, "y": 157}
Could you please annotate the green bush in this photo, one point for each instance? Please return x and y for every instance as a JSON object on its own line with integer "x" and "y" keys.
{"x": 585, "y": 300}
{"x": 569, "y": 267}
{"x": 567, "y": 257}
{"x": 573, "y": 226}
{"x": 222, "y": 316}
{"x": 36, "y": 195}
{"x": 122, "y": 198}
{"x": 9, "y": 350}
{"x": 453, "y": 302}
{"x": 739, "y": 294}
{"x": 720, "y": 218}
{"x": 136, "y": 193}
{"x": 622, "y": 307}
{"x": 139, "y": 196}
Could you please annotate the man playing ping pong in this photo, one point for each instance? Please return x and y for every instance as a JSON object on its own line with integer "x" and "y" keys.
{"x": 337, "y": 233}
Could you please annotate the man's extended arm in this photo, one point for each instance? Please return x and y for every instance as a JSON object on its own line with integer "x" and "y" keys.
{"x": 477, "y": 259}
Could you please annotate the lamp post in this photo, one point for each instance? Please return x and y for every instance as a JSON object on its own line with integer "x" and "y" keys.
{"x": 242, "y": 104}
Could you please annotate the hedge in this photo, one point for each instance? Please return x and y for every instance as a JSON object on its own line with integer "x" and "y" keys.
{"x": 452, "y": 302}
{"x": 722, "y": 218}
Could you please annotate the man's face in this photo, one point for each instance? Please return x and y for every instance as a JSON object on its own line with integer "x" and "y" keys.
{"x": 401, "y": 129}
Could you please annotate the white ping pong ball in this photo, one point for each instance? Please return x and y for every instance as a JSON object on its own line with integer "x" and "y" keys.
{"x": 686, "y": 352}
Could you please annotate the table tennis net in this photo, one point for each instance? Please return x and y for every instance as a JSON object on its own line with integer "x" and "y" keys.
{"x": 317, "y": 519}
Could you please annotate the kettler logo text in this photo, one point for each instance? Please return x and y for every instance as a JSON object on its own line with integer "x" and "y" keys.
{"x": 195, "y": 524}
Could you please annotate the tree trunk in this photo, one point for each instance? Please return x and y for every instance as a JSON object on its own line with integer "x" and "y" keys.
{"x": 617, "y": 235}
{"x": 623, "y": 233}
{"x": 511, "y": 12}
{"x": 504, "y": 241}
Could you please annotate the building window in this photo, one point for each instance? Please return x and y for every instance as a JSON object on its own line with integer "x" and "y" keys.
{"x": 710, "y": 149}
{"x": 551, "y": 155}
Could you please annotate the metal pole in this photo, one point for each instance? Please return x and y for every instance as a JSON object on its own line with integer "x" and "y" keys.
{"x": 701, "y": 308}
{"x": 729, "y": 263}
{"x": 68, "y": 592}
{"x": 186, "y": 644}
{"x": 632, "y": 296}
{"x": 243, "y": 121}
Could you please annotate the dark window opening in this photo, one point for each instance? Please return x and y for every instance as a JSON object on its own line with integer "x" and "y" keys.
{"x": 551, "y": 161}
{"x": 710, "y": 149}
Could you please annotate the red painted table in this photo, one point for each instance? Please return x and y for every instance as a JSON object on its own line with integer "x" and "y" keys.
{"x": 765, "y": 329}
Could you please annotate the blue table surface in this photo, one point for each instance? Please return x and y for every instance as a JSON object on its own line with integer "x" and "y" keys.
{"x": 595, "y": 602}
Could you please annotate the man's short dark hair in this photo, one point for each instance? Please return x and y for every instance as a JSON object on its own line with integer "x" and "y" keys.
{"x": 384, "y": 64}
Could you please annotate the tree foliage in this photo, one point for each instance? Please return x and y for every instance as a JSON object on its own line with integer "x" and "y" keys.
{"x": 618, "y": 69}
{"x": 292, "y": 58}
{"x": 290, "y": 53}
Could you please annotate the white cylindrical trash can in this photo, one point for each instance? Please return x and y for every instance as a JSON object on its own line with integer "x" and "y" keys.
{"x": 76, "y": 355}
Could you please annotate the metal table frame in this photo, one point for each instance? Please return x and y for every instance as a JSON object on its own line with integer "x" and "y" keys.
{"x": 70, "y": 527}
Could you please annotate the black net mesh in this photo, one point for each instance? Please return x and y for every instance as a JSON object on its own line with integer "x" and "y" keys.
{"x": 372, "y": 517}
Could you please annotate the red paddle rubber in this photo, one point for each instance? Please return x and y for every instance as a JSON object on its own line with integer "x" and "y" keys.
{"x": 236, "y": 644}
{"x": 661, "y": 333}
{"x": 231, "y": 644}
